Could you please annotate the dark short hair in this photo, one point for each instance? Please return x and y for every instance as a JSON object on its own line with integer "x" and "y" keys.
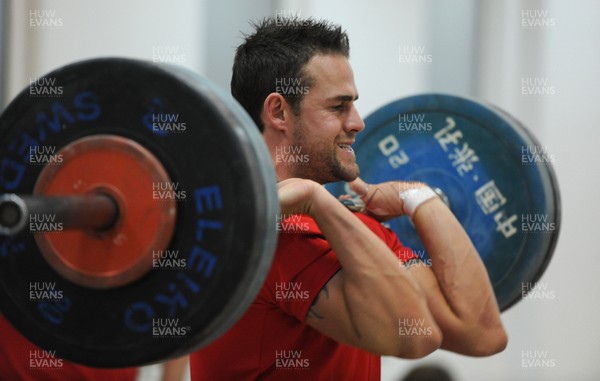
{"x": 281, "y": 50}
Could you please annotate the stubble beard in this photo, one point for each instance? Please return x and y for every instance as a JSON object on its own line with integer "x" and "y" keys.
{"x": 323, "y": 165}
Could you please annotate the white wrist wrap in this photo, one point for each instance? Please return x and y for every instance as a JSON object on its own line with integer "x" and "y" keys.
{"x": 413, "y": 198}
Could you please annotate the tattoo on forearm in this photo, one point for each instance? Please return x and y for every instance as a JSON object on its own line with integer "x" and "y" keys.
{"x": 313, "y": 311}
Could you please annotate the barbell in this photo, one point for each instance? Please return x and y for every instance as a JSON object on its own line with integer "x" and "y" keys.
{"x": 139, "y": 206}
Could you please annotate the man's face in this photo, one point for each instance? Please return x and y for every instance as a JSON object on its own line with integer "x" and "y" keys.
{"x": 328, "y": 122}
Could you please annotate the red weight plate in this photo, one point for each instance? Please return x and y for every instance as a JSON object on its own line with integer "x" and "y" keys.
{"x": 133, "y": 177}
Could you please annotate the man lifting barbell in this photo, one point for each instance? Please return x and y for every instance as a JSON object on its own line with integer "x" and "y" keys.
{"x": 119, "y": 250}
{"x": 342, "y": 289}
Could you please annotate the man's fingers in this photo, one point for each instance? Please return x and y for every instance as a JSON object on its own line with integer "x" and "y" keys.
{"x": 291, "y": 191}
{"x": 295, "y": 195}
{"x": 283, "y": 183}
{"x": 359, "y": 187}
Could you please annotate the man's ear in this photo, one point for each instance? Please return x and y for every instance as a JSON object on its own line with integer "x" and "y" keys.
{"x": 276, "y": 112}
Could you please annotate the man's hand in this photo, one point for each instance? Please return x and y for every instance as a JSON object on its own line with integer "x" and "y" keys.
{"x": 382, "y": 201}
{"x": 298, "y": 196}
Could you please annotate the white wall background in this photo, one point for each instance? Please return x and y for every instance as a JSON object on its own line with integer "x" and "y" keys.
{"x": 478, "y": 48}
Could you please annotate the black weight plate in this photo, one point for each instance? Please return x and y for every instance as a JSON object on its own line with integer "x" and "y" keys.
{"x": 223, "y": 237}
{"x": 497, "y": 177}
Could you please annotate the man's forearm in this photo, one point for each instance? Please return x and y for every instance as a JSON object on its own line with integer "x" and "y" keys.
{"x": 374, "y": 283}
{"x": 460, "y": 272}
{"x": 457, "y": 287}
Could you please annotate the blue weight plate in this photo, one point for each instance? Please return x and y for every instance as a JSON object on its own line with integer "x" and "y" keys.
{"x": 498, "y": 180}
